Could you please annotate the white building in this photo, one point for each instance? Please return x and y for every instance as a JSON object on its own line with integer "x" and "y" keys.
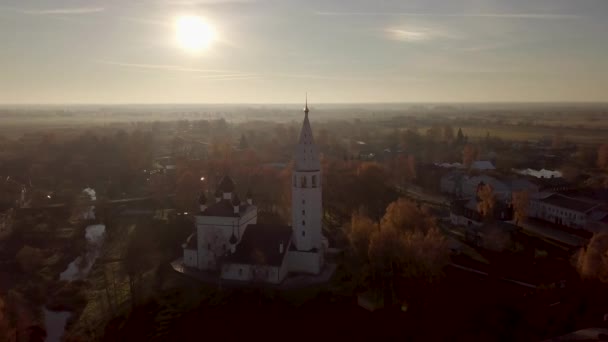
{"x": 229, "y": 240}
{"x": 561, "y": 210}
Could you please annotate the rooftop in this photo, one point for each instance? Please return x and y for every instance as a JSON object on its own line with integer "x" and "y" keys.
{"x": 569, "y": 203}
{"x": 224, "y": 208}
{"x": 265, "y": 239}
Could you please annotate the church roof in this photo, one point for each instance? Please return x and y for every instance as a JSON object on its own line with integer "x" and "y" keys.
{"x": 223, "y": 208}
{"x": 306, "y": 154}
{"x": 226, "y": 184}
{"x": 260, "y": 243}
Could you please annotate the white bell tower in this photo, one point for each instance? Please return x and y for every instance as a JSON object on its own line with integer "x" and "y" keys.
{"x": 306, "y": 206}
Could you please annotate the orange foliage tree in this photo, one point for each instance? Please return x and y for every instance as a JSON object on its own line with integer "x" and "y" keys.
{"x": 521, "y": 202}
{"x": 405, "y": 247}
{"x": 469, "y": 154}
{"x": 592, "y": 261}
{"x": 487, "y": 201}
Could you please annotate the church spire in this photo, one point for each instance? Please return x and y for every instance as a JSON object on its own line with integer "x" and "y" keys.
{"x": 306, "y": 152}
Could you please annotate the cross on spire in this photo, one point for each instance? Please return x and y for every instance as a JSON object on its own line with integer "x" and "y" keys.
{"x": 306, "y": 106}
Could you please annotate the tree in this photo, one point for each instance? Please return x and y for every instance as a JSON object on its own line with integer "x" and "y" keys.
{"x": 448, "y": 133}
{"x": 459, "y": 137}
{"x": 187, "y": 191}
{"x": 602, "y": 157}
{"x": 29, "y": 258}
{"x": 521, "y": 203}
{"x": 243, "y": 144}
{"x": 487, "y": 202}
{"x": 592, "y": 262}
{"x": 359, "y": 233}
{"x": 495, "y": 238}
{"x": 405, "y": 216}
{"x": 434, "y": 133}
{"x": 558, "y": 140}
{"x": 140, "y": 256}
{"x": 406, "y": 248}
{"x": 469, "y": 154}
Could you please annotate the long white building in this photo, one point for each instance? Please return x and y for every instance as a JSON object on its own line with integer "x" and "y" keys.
{"x": 229, "y": 240}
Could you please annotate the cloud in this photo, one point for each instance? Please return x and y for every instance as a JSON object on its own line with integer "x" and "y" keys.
{"x": 457, "y": 15}
{"x": 208, "y": 74}
{"x": 166, "y": 67}
{"x": 418, "y": 34}
{"x": 408, "y": 35}
{"x": 77, "y": 10}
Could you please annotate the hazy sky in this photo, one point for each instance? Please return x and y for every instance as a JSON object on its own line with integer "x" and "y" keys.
{"x": 69, "y": 51}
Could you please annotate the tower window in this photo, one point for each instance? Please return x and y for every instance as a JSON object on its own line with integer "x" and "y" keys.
{"x": 303, "y": 233}
{"x": 303, "y": 182}
{"x": 314, "y": 181}
{"x": 303, "y": 212}
{"x": 303, "y": 222}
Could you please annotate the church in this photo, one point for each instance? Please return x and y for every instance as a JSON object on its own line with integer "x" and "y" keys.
{"x": 229, "y": 240}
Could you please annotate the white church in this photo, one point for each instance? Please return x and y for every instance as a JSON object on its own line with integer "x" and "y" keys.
{"x": 229, "y": 240}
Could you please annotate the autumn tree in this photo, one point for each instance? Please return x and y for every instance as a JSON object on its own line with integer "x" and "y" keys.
{"x": 405, "y": 248}
{"x": 243, "y": 143}
{"x": 486, "y": 201}
{"x": 592, "y": 262}
{"x": 495, "y": 238}
{"x": 521, "y": 203}
{"x": 434, "y": 133}
{"x": 359, "y": 233}
{"x": 602, "y": 157}
{"x": 469, "y": 154}
{"x": 187, "y": 190}
{"x": 405, "y": 216}
{"x": 448, "y": 133}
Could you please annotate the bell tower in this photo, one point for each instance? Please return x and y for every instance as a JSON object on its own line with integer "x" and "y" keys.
{"x": 306, "y": 206}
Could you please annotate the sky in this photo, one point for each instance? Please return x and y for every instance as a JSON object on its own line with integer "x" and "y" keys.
{"x": 274, "y": 51}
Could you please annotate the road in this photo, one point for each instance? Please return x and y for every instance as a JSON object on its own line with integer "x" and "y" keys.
{"x": 546, "y": 231}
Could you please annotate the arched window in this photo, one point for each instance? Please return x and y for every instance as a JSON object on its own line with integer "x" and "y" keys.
{"x": 303, "y": 222}
{"x": 303, "y": 182}
{"x": 314, "y": 181}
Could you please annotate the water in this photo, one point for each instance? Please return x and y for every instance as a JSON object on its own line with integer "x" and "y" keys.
{"x": 55, "y": 321}
{"x": 81, "y": 266}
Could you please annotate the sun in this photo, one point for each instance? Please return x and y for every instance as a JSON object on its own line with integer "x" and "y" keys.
{"x": 193, "y": 33}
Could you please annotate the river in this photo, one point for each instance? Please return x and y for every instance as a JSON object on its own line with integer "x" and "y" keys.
{"x": 55, "y": 321}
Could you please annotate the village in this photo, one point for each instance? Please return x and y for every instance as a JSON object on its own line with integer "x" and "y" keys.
{"x": 104, "y": 221}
